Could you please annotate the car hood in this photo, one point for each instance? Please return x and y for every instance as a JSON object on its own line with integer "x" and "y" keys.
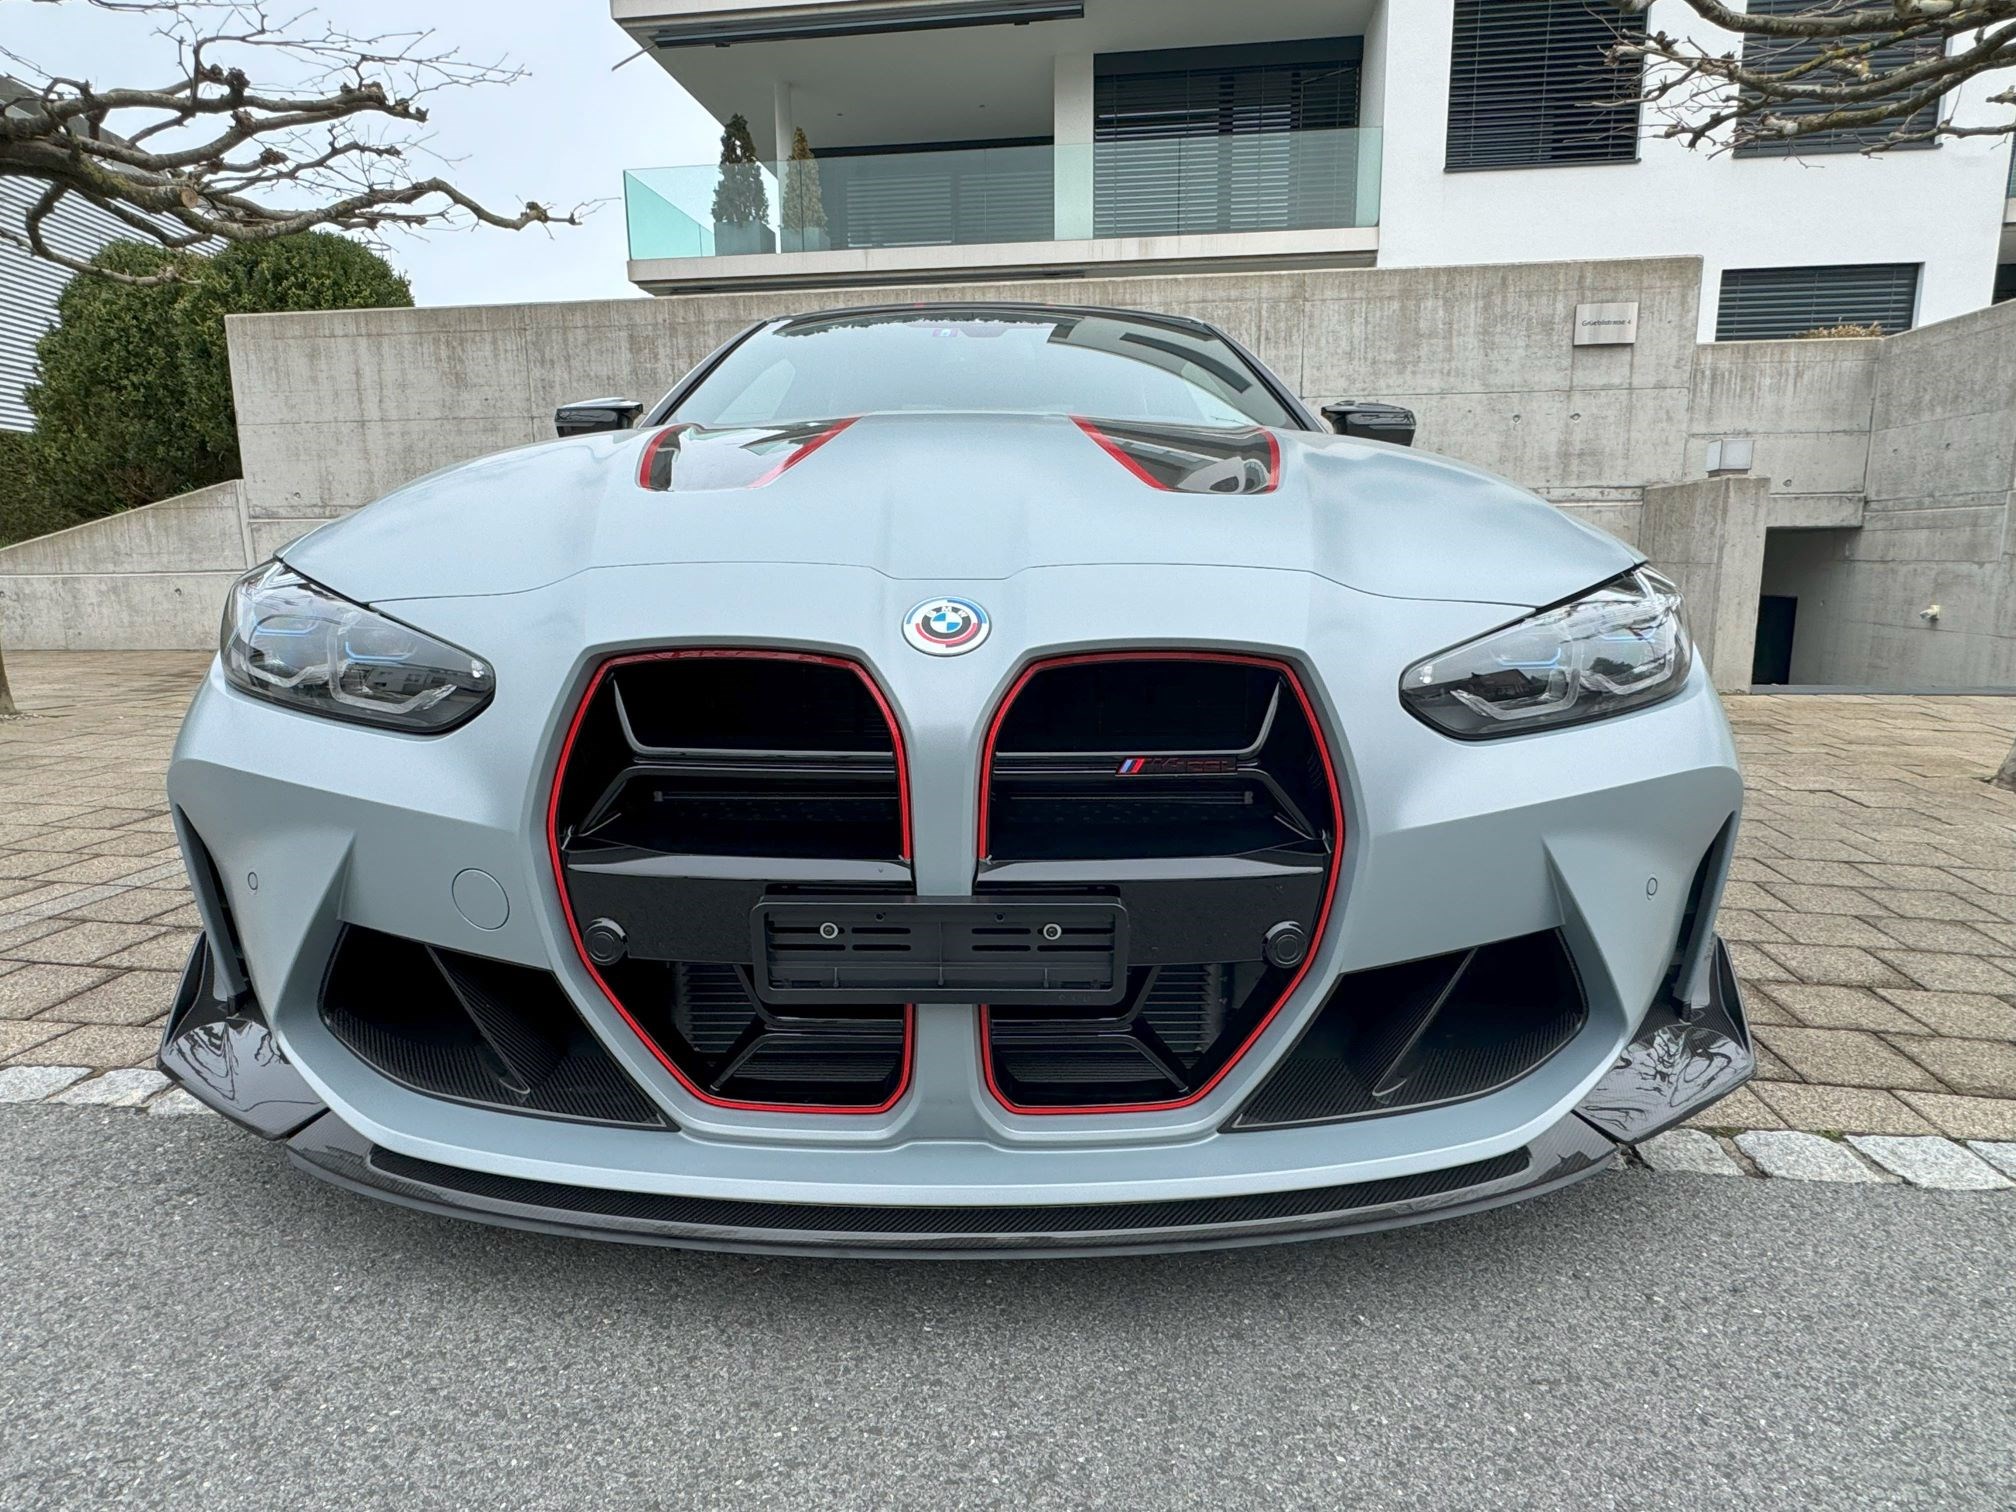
{"x": 958, "y": 498}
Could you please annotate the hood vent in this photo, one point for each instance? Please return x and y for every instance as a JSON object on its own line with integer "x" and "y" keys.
{"x": 693, "y": 458}
{"x": 1191, "y": 459}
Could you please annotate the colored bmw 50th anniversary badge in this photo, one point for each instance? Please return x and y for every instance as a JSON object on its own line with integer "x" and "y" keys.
{"x": 946, "y": 626}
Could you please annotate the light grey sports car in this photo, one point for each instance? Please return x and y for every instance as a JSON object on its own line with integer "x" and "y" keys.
{"x": 958, "y": 779}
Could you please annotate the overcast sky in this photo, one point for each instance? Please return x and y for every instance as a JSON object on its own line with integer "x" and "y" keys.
{"x": 561, "y": 136}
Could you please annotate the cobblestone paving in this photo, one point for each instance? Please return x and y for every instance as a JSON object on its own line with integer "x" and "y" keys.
{"x": 1872, "y": 910}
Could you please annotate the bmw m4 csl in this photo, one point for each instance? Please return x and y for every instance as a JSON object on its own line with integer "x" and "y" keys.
{"x": 977, "y": 779}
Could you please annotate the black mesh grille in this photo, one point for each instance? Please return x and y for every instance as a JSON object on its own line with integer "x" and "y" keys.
{"x": 473, "y": 1030}
{"x": 1185, "y": 1006}
{"x": 738, "y": 1049}
{"x": 1194, "y": 789}
{"x": 699, "y": 1212}
{"x": 696, "y": 785}
{"x": 711, "y": 1005}
{"x": 1426, "y": 1032}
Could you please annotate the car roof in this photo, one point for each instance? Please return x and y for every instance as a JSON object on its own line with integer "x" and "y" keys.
{"x": 926, "y": 308}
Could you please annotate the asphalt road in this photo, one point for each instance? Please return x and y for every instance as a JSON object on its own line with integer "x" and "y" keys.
{"x": 185, "y": 1320}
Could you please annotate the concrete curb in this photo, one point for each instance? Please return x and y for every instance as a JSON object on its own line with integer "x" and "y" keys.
{"x": 1923, "y": 1160}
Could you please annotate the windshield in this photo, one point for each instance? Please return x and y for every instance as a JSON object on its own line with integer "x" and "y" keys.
{"x": 1112, "y": 367}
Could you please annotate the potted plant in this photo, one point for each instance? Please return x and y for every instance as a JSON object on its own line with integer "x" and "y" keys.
{"x": 802, "y": 211}
{"x": 741, "y": 204}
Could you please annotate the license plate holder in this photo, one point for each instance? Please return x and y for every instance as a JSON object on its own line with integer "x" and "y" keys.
{"x": 1059, "y": 952}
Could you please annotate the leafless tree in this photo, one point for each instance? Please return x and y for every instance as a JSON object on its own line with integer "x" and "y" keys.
{"x": 266, "y": 123}
{"x": 269, "y": 124}
{"x": 1863, "y": 66}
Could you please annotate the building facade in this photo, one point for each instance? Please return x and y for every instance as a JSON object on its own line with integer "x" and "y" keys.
{"x": 30, "y": 287}
{"x": 962, "y": 139}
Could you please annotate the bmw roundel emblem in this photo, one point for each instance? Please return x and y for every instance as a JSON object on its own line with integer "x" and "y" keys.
{"x": 946, "y": 626}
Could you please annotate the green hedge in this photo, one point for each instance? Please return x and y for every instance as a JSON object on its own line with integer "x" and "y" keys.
{"x": 134, "y": 399}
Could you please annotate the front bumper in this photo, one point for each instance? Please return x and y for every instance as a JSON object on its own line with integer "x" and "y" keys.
{"x": 1682, "y": 1060}
{"x": 305, "y": 835}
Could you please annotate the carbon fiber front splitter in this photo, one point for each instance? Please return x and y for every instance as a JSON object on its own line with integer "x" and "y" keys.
{"x": 1680, "y": 1062}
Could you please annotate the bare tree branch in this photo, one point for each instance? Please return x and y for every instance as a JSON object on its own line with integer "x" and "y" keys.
{"x": 1879, "y": 72}
{"x": 273, "y": 126}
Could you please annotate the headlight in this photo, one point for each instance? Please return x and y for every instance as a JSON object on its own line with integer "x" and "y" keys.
{"x": 288, "y": 640}
{"x": 1617, "y": 647}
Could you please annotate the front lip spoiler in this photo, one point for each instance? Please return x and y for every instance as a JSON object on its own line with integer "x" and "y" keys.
{"x": 1683, "y": 1060}
{"x": 327, "y": 1148}
{"x": 224, "y": 1055}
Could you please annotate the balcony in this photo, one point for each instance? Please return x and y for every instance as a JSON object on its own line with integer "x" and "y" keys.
{"x": 1280, "y": 198}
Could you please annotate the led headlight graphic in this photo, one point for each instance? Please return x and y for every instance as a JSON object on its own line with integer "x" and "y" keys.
{"x": 296, "y": 643}
{"x": 1618, "y": 647}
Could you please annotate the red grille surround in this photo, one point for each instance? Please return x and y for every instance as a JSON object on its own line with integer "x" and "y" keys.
{"x": 1293, "y": 681}
{"x": 881, "y": 702}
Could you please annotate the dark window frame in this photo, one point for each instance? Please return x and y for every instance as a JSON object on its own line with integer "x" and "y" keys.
{"x": 1486, "y": 136}
{"x": 1789, "y": 290}
{"x": 1227, "y": 140}
{"x": 1837, "y": 141}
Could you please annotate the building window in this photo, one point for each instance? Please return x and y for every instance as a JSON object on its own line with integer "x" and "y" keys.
{"x": 1225, "y": 139}
{"x": 944, "y": 195}
{"x": 1531, "y": 83}
{"x": 2005, "y": 283}
{"x": 1781, "y": 55}
{"x": 1768, "y": 304}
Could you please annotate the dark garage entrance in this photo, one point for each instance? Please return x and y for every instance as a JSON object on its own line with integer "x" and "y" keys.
{"x": 1772, "y": 662}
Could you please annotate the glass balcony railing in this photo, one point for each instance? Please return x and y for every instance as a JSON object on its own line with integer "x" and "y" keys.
{"x": 973, "y": 196}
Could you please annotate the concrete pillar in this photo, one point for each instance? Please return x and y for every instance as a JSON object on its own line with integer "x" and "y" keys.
{"x": 1708, "y": 536}
{"x": 1072, "y": 128}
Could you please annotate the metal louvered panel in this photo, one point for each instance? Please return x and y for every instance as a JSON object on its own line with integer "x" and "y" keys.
{"x": 1764, "y": 304}
{"x": 30, "y": 287}
{"x": 953, "y": 197}
{"x": 1261, "y": 145}
{"x": 1780, "y": 55}
{"x": 1529, "y": 81}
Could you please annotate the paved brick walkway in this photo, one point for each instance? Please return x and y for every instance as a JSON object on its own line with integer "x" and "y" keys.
{"x": 1872, "y": 912}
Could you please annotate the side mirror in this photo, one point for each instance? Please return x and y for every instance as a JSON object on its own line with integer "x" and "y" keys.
{"x": 596, "y": 415}
{"x": 1369, "y": 421}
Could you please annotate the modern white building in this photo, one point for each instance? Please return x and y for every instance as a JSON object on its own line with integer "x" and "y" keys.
{"x": 965, "y": 139}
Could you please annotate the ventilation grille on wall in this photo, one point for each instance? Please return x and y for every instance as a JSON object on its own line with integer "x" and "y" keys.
{"x": 1765, "y": 304}
{"x": 1528, "y": 80}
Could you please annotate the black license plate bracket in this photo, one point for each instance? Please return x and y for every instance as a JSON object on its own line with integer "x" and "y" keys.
{"x": 1059, "y": 952}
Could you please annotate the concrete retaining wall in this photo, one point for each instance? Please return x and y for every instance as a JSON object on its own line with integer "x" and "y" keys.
{"x": 151, "y": 578}
{"x": 1937, "y": 529}
{"x": 335, "y": 409}
{"x": 1888, "y": 464}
